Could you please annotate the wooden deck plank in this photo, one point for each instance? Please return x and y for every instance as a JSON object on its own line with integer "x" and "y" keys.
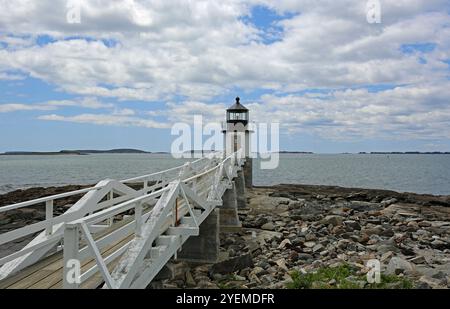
{"x": 96, "y": 280}
{"x": 39, "y": 275}
{"x": 28, "y": 271}
{"x": 48, "y": 272}
{"x": 55, "y": 282}
{"x": 52, "y": 274}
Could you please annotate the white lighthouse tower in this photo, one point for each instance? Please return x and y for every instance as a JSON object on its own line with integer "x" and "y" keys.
{"x": 237, "y": 136}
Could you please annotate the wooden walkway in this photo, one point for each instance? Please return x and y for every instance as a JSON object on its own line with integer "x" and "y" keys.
{"x": 48, "y": 272}
{"x": 121, "y": 232}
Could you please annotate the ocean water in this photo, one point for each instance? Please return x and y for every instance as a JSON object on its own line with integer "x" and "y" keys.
{"x": 404, "y": 173}
{"x": 26, "y": 171}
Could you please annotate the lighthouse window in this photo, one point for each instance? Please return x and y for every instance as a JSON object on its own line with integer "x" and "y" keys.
{"x": 238, "y": 116}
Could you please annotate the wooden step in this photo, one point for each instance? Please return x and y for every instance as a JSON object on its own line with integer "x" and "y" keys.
{"x": 183, "y": 230}
{"x": 155, "y": 252}
{"x": 165, "y": 240}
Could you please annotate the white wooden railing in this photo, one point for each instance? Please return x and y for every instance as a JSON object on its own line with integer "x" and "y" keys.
{"x": 176, "y": 202}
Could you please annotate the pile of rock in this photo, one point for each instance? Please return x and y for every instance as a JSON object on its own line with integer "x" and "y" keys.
{"x": 304, "y": 228}
{"x": 284, "y": 232}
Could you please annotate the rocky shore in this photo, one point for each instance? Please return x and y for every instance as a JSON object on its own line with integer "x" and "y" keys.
{"x": 300, "y": 236}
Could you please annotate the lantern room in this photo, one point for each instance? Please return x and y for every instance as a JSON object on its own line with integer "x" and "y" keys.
{"x": 237, "y": 113}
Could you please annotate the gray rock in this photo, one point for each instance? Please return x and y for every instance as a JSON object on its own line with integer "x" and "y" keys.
{"x": 387, "y": 232}
{"x": 263, "y": 264}
{"x": 258, "y": 271}
{"x": 305, "y": 256}
{"x": 297, "y": 205}
{"x": 424, "y": 224}
{"x": 169, "y": 286}
{"x": 428, "y": 283}
{"x": 439, "y": 275}
{"x": 282, "y": 264}
{"x": 353, "y": 224}
{"x": 285, "y": 243}
{"x": 397, "y": 266}
{"x": 232, "y": 265}
{"x": 283, "y": 201}
{"x": 421, "y": 285}
{"x": 372, "y": 231}
{"x": 383, "y": 248}
{"x": 388, "y": 202}
{"x": 418, "y": 260}
{"x": 309, "y": 244}
{"x": 317, "y": 247}
{"x": 375, "y": 221}
{"x": 339, "y": 211}
{"x": 268, "y": 226}
{"x": 282, "y": 195}
{"x": 310, "y": 237}
{"x": 260, "y": 221}
{"x": 333, "y": 220}
{"x": 386, "y": 256}
{"x": 190, "y": 282}
{"x": 366, "y": 206}
{"x": 172, "y": 271}
{"x": 439, "y": 244}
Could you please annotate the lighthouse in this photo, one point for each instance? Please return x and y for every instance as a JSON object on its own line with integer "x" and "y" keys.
{"x": 237, "y": 134}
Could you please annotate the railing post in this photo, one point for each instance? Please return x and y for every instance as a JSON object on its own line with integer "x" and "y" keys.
{"x": 111, "y": 197}
{"x": 138, "y": 219}
{"x": 71, "y": 279}
{"x": 49, "y": 217}
{"x": 175, "y": 213}
{"x": 194, "y": 185}
{"x": 145, "y": 185}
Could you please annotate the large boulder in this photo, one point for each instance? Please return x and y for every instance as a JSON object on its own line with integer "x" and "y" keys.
{"x": 232, "y": 265}
{"x": 333, "y": 220}
{"x": 268, "y": 226}
{"x": 364, "y": 206}
{"x": 398, "y": 265}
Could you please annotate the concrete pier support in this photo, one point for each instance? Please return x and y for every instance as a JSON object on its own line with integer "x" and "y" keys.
{"x": 240, "y": 191}
{"x": 229, "y": 219}
{"x": 205, "y": 247}
{"x": 248, "y": 172}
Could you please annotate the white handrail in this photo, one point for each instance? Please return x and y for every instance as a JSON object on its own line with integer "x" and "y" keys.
{"x": 98, "y": 216}
{"x": 93, "y": 208}
{"x": 114, "y": 210}
{"x": 47, "y": 198}
{"x": 85, "y": 190}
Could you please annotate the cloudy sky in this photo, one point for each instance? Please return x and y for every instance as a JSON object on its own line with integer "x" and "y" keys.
{"x": 131, "y": 68}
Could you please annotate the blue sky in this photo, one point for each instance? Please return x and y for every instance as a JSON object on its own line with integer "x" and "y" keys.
{"x": 125, "y": 74}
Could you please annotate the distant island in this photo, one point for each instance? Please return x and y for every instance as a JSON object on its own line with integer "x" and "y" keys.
{"x": 297, "y": 152}
{"x": 77, "y": 152}
{"x": 137, "y": 151}
{"x": 407, "y": 152}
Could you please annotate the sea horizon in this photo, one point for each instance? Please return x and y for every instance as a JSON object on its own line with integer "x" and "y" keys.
{"x": 142, "y": 151}
{"x": 414, "y": 173}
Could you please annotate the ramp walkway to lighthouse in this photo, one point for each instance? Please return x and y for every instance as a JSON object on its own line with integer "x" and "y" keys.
{"x": 119, "y": 234}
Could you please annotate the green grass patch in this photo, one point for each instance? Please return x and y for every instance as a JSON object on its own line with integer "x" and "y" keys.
{"x": 343, "y": 277}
